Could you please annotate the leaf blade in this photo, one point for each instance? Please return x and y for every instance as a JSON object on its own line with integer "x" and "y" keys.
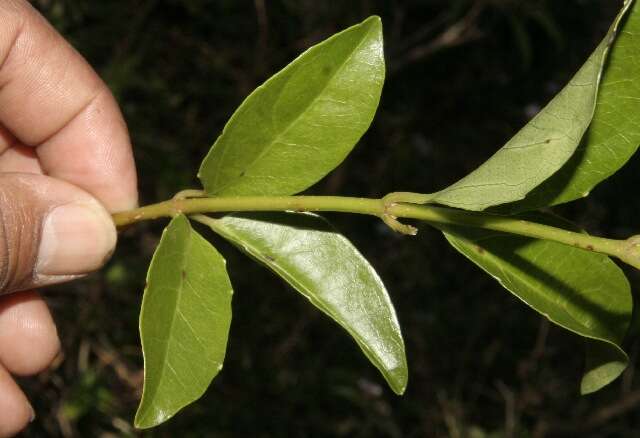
{"x": 541, "y": 147}
{"x": 581, "y": 291}
{"x": 613, "y": 136}
{"x": 326, "y": 269}
{"x": 184, "y": 322}
{"x": 303, "y": 121}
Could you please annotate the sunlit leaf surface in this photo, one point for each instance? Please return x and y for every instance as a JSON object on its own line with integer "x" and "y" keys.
{"x": 302, "y": 122}
{"x": 184, "y": 322}
{"x": 329, "y": 271}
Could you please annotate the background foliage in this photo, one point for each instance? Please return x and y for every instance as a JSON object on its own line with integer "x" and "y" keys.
{"x": 463, "y": 77}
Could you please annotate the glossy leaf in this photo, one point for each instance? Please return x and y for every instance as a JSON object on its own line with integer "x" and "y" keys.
{"x": 614, "y": 134}
{"x": 302, "y": 122}
{"x": 184, "y": 322}
{"x": 582, "y": 291}
{"x": 541, "y": 148}
{"x": 329, "y": 271}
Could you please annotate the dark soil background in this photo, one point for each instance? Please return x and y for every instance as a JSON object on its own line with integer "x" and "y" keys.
{"x": 463, "y": 77}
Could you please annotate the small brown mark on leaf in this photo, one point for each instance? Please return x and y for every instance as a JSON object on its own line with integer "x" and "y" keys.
{"x": 590, "y": 247}
{"x": 479, "y": 249}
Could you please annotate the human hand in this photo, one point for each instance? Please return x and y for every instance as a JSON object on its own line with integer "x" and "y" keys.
{"x": 65, "y": 161}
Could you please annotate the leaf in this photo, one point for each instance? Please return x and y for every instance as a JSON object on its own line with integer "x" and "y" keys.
{"x": 541, "y": 148}
{"x": 584, "y": 292}
{"x": 614, "y": 134}
{"x": 302, "y": 122}
{"x": 184, "y": 322}
{"x": 602, "y": 366}
{"x": 329, "y": 271}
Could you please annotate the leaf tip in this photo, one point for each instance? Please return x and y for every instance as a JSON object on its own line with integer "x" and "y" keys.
{"x": 373, "y": 22}
{"x": 605, "y": 362}
{"x": 373, "y": 19}
{"x": 397, "y": 380}
{"x": 399, "y": 390}
{"x": 143, "y": 421}
{"x": 596, "y": 380}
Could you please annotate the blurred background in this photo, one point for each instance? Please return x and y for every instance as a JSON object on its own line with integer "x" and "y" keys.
{"x": 463, "y": 76}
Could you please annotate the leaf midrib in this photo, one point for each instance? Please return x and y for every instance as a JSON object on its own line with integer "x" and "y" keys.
{"x": 165, "y": 352}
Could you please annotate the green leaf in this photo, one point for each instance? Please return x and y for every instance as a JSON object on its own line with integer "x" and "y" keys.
{"x": 329, "y": 271}
{"x": 541, "y": 148}
{"x": 184, "y": 322}
{"x": 302, "y": 122}
{"x": 603, "y": 365}
{"x": 584, "y": 292}
{"x": 614, "y": 134}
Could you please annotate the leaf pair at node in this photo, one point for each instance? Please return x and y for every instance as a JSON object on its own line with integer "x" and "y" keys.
{"x": 583, "y": 136}
{"x": 288, "y": 134}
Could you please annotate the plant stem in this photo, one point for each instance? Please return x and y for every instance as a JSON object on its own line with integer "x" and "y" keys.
{"x": 389, "y": 209}
{"x": 251, "y": 203}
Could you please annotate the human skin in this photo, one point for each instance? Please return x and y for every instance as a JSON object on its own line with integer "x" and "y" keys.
{"x": 65, "y": 164}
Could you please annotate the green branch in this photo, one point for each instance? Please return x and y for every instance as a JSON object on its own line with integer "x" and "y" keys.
{"x": 390, "y": 209}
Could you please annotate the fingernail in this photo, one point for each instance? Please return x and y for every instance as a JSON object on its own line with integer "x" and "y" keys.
{"x": 33, "y": 414}
{"x": 76, "y": 239}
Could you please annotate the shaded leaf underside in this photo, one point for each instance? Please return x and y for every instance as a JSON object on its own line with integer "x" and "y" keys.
{"x": 539, "y": 149}
{"x": 614, "y": 134}
{"x": 582, "y": 291}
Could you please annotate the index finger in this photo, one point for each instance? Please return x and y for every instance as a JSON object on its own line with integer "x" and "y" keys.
{"x": 50, "y": 98}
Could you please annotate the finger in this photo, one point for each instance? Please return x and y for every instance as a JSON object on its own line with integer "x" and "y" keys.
{"x": 50, "y": 231}
{"x": 19, "y": 158}
{"x": 52, "y": 99}
{"x": 15, "y": 410}
{"x": 28, "y": 336}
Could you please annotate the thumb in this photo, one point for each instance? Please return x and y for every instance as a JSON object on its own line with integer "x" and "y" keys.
{"x": 50, "y": 231}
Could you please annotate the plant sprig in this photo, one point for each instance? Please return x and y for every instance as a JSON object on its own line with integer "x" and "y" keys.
{"x": 299, "y": 125}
